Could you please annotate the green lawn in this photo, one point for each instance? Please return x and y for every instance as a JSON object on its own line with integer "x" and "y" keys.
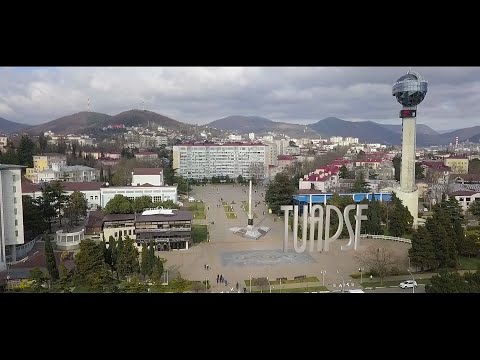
{"x": 228, "y": 208}
{"x": 288, "y": 281}
{"x": 199, "y": 233}
{"x": 198, "y": 209}
{"x": 467, "y": 263}
{"x": 295, "y": 290}
{"x": 231, "y": 215}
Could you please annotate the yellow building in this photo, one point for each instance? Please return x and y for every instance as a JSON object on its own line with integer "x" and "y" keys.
{"x": 458, "y": 164}
{"x": 31, "y": 175}
{"x": 44, "y": 162}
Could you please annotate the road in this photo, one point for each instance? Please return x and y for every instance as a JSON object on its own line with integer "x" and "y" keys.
{"x": 419, "y": 290}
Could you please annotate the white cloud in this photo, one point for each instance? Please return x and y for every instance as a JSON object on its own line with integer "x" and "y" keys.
{"x": 202, "y": 94}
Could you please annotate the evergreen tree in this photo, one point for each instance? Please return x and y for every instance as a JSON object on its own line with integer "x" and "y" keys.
{"x": 144, "y": 260}
{"x": 91, "y": 269}
{"x": 151, "y": 258}
{"x": 101, "y": 175}
{"x": 280, "y": 192}
{"x": 38, "y": 278}
{"x": 26, "y": 150}
{"x": 128, "y": 259}
{"x": 469, "y": 246}
{"x": 157, "y": 271}
{"x": 422, "y": 252}
{"x": 119, "y": 205}
{"x": 373, "y": 224}
{"x": 50, "y": 258}
{"x": 112, "y": 249}
{"x": 360, "y": 185}
{"x": 397, "y": 163}
{"x": 344, "y": 173}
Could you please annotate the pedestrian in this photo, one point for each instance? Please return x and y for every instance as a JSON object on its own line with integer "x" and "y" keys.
{"x": 237, "y": 285}
{"x": 371, "y": 277}
{"x": 204, "y": 267}
{"x": 208, "y": 267}
{"x": 218, "y": 278}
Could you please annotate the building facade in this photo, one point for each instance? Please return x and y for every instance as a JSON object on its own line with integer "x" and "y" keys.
{"x": 11, "y": 212}
{"x": 152, "y": 176}
{"x": 46, "y": 161}
{"x": 198, "y": 161}
{"x": 76, "y": 173}
{"x": 157, "y": 193}
{"x": 457, "y": 164}
{"x": 465, "y": 198}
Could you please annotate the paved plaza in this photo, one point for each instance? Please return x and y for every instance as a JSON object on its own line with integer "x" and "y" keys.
{"x": 237, "y": 258}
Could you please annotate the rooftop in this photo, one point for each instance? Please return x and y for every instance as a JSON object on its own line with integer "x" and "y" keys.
{"x": 67, "y": 186}
{"x": 463, "y": 193}
{"x": 9, "y": 166}
{"x": 147, "y": 171}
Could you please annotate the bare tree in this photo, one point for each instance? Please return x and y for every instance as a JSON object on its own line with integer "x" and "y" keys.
{"x": 378, "y": 260}
{"x": 262, "y": 283}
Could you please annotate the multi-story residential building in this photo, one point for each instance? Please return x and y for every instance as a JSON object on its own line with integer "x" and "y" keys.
{"x": 198, "y": 161}
{"x": 251, "y": 136}
{"x": 458, "y": 164}
{"x": 47, "y": 161}
{"x": 3, "y": 142}
{"x": 281, "y": 145}
{"x": 233, "y": 137}
{"x": 167, "y": 231}
{"x": 285, "y": 161}
{"x": 152, "y": 176}
{"x": 76, "y": 173}
{"x": 146, "y": 156}
{"x": 11, "y": 212}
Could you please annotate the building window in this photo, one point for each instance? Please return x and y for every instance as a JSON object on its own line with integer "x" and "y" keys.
{"x": 16, "y": 222}
{"x": 124, "y": 232}
{"x": 129, "y": 232}
{"x": 16, "y": 233}
{"x": 116, "y": 234}
{"x": 14, "y": 200}
{"x": 13, "y": 177}
{"x": 467, "y": 199}
{"x": 91, "y": 197}
{"x": 14, "y": 189}
{"x": 96, "y": 197}
{"x": 15, "y": 211}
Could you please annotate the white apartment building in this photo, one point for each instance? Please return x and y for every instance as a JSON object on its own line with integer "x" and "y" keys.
{"x": 281, "y": 146}
{"x": 336, "y": 139}
{"x": 11, "y": 212}
{"x": 251, "y": 136}
{"x": 233, "y": 137}
{"x": 198, "y": 161}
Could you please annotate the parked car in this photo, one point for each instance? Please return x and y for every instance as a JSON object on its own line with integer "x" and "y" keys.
{"x": 407, "y": 284}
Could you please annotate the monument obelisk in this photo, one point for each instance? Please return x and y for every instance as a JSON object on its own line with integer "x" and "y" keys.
{"x": 250, "y": 211}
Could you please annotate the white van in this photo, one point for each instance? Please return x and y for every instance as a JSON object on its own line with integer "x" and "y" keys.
{"x": 356, "y": 291}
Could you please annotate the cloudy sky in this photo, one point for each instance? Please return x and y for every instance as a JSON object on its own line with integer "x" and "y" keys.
{"x": 199, "y": 95}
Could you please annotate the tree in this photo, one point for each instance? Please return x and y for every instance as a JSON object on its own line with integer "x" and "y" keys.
{"x": 422, "y": 252}
{"x": 151, "y": 259}
{"x": 157, "y": 271}
{"x": 344, "y": 173}
{"x": 128, "y": 259}
{"x": 76, "y": 207}
{"x": 50, "y": 258}
{"x": 474, "y": 166}
{"x": 113, "y": 255}
{"x": 42, "y": 143}
{"x": 33, "y": 220}
{"x": 469, "y": 246}
{"x": 26, "y": 150}
{"x": 102, "y": 179}
{"x": 54, "y": 194}
{"x": 397, "y": 164}
{"x": 360, "y": 185}
{"x": 360, "y": 155}
{"x": 280, "y": 192}
{"x": 198, "y": 287}
{"x": 240, "y": 179}
{"x": 119, "y": 205}
{"x": 374, "y": 217}
{"x": 91, "y": 269}
{"x": 135, "y": 285}
{"x": 10, "y": 156}
{"x": 38, "y": 278}
{"x": 474, "y": 208}
{"x": 141, "y": 203}
{"x": 262, "y": 283}
{"x": 378, "y": 260}
{"x": 144, "y": 265}
{"x": 447, "y": 282}
{"x": 419, "y": 171}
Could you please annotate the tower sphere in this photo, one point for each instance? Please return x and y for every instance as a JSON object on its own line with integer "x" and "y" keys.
{"x": 410, "y": 89}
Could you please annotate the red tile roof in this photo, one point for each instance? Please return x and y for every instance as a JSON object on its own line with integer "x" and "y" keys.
{"x": 463, "y": 193}
{"x": 67, "y": 186}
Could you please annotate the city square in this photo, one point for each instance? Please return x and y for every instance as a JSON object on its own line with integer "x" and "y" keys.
{"x": 238, "y": 258}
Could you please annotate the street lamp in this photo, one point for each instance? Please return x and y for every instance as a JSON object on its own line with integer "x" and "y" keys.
{"x": 413, "y": 287}
{"x": 250, "y": 283}
{"x": 323, "y": 272}
{"x": 188, "y": 190}
{"x": 360, "y": 270}
{"x": 343, "y": 281}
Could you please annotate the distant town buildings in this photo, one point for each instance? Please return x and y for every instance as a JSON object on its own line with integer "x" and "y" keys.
{"x": 458, "y": 164}
{"x": 3, "y": 142}
{"x": 152, "y": 176}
